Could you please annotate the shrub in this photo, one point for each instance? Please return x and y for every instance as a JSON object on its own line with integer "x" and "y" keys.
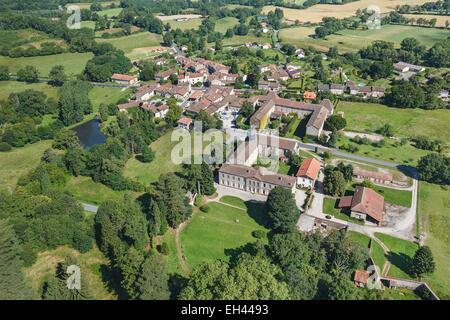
{"x": 258, "y": 234}
{"x": 4, "y": 146}
{"x": 205, "y": 208}
{"x": 163, "y": 248}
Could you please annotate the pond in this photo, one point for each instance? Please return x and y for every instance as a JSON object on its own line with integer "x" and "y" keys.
{"x": 89, "y": 133}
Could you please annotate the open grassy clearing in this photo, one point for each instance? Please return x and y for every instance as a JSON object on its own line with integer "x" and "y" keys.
{"x": 13, "y": 38}
{"x": 91, "y": 265}
{"x": 369, "y": 117}
{"x": 215, "y": 235}
{"x": 400, "y": 255}
{"x": 86, "y": 190}
{"x": 185, "y": 24}
{"x": 234, "y": 201}
{"x": 8, "y": 87}
{"x": 353, "y": 40}
{"x": 88, "y": 24}
{"x": 19, "y": 161}
{"x": 317, "y": 12}
{"x": 135, "y": 41}
{"x": 223, "y": 24}
{"x": 173, "y": 264}
{"x": 376, "y": 251}
{"x": 99, "y": 95}
{"x": 73, "y": 63}
{"x": 434, "y": 221}
{"x": 149, "y": 172}
{"x": 394, "y": 196}
{"x": 110, "y": 12}
{"x": 241, "y": 40}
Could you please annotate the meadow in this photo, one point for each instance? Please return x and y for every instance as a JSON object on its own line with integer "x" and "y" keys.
{"x": 19, "y": 161}
{"x": 317, "y": 12}
{"x": 353, "y": 40}
{"x": 368, "y": 117}
{"x": 13, "y": 38}
{"x": 73, "y": 63}
{"x": 214, "y": 235}
{"x": 8, "y": 87}
{"x": 376, "y": 251}
{"x": 135, "y": 45}
{"x": 185, "y": 24}
{"x": 434, "y": 222}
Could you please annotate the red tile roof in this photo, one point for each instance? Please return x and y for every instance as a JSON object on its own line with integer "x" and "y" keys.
{"x": 309, "y": 95}
{"x": 185, "y": 120}
{"x": 361, "y": 276}
{"x": 310, "y": 168}
{"x": 367, "y": 201}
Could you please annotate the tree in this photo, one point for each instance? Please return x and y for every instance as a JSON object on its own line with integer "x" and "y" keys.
{"x": 148, "y": 71}
{"x": 147, "y": 155}
{"x": 66, "y": 139}
{"x": 219, "y": 45}
{"x": 13, "y": 285}
{"x": 28, "y": 74}
{"x": 282, "y": 209}
{"x": 334, "y": 183}
{"x": 74, "y": 161}
{"x": 251, "y": 278}
{"x": 335, "y": 123}
{"x": 57, "y": 75}
{"x": 386, "y": 130}
{"x": 155, "y": 220}
{"x": 340, "y": 287}
{"x": 74, "y": 101}
{"x": 173, "y": 114}
{"x": 435, "y": 168}
{"x": 129, "y": 265}
{"x": 438, "y": 55}
{"x": 152, "y": 282}
{"x": 423, "y": 262}
{"x": 200, "y": 175}
{"x": 120, "y": 224}
{"x": 57, "y": 288}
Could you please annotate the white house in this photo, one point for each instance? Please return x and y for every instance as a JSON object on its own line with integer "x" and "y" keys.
{"x": 308, "y": 173}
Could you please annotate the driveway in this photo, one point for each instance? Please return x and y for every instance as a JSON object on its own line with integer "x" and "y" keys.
{"x": 244, "y": 195}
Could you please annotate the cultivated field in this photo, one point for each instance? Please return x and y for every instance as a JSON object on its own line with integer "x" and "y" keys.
{"x": 214, "y": 235}
{"x": 73, "y": 63}
{"x": 179, "y": 16}
{"x": 353, "y": 40}
{"x": 185, "y": 24}
{"x": 434, "y": 219}
{"x": 316, "y": 13}
{"x": 368, "y": 117}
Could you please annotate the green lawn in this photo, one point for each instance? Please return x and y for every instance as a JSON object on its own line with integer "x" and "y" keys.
{"x": 400, "y": 255}
{"x": 376, "y": 251}
{"x": 136, "y": 43}
{"x": 186, "y": 25}
{"x": 99, "y": 95}
{"x": 234, "y": 201}
{"x": 150, "y": 172}
{"x": 73, "y": 63}
{"x": 225, "y": 23}
{"x": 173, "y": 264}
{"x": 434, "y": 220}
{"x": 391, "y": 151}
{"x": 20, "y": 161}
{"x": 353, "y": 40}
{"x": 8, "y": 87}
{"x": 14, "y": 38}
{"x": 88, "y": 24}
{"x": 86, "y": 190}
{"x": 110, "y": 12}
{"x": 368, "y": 117}
{"x": 214, "y": 235}
{"x": 394, "y": 196}
{"x": 329, "y": 207}
{"x": 240, "y": 40}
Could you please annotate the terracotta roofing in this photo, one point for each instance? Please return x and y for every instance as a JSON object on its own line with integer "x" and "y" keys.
{"x": 122, "y": 77}
{"x": 367, "y": 201}
{"x": 196, "y": 95}
{"x": 310, "y": 168}
{"x": 309, "y": 95}
{"x": 276, "y": 141}
{"x": 361, "y": 276}
{"x": 261, "y": 112}
{"x": 345, "y": 202}
{"x": 185, "y": 120}
{"x": 259, "y": 174}
{"x": 154, "y": 108}
{"x": 372, "y": 175}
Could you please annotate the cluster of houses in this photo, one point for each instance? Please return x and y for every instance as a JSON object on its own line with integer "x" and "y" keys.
{"x": 273, "y": 76}
{"x": 352, "y": 89}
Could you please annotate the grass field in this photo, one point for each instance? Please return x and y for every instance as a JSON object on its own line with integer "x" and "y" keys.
{"x": 434, "y": 220}
{"x": 240, "y": 40}
{"x": 353, "y": 40}
{"x": 376, "y": 251}
{"x": 317, "y": 12}
{"x": 86, "y": 190}
{"x": 13, "y": 38}
{"x": 173, "y": 264}
{"x": 88, "y": 24}
{"x": 368, "y": 117}
{"x": 19, "y": 161}
{"x": 186, "y": 24}
{"x": 91, "y": 264}
{"x": 214, "y": 235}
{"x": 99, "y": 95}
{"x": 135, "y": 42}
{"x": 400, "y": 255}
{"x": 110, "y": 12}
{"x": 8, "y": 87}
{"x": 394, "y": 196}
{"x": 149, "y": 172}
{"x": 73, "y": 63}
{"x": 223, "y": 24}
